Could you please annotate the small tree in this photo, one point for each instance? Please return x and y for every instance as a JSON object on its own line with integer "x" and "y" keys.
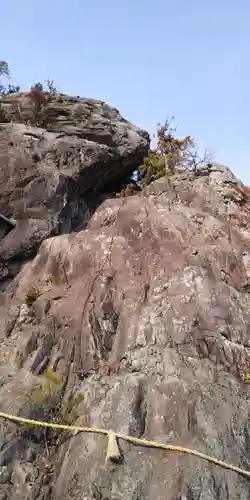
{"x": 4, "y": 72}
{"x": 38, "y": 99}
{"x": 39, "y": 96}
{"x": 51, "y": 86}
{"x": 170, "y": 153}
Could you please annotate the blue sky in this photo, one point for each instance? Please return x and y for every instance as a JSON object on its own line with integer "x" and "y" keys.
{"x": 150, "y": 59}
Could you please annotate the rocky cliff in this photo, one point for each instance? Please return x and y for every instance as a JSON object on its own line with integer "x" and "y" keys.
{"x": 56, "y": 174}
{"x": 140, "y": 305}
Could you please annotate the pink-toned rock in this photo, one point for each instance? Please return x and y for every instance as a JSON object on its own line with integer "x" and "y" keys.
{"x": 146, "y": 311}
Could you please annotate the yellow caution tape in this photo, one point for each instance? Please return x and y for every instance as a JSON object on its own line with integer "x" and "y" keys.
{"x": 113, "y": 452}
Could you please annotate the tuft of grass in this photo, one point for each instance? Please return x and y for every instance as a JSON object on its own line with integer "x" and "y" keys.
{"x": 35, "y": 291}
{"x": 49, "y": 400}
{"x": 32, "y": 295}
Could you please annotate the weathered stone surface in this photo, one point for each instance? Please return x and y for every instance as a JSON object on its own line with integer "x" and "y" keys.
{"x": 146, "y": 311}
{"x": 54, "y": 176}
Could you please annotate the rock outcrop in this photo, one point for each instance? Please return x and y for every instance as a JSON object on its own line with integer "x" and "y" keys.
{"x": 55, "y": 175}
{"x": 145, "y": 312}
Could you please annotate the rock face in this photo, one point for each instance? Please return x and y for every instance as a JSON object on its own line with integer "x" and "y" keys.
{"x": 146, "y": 313}
{"x": 55, "y": 175}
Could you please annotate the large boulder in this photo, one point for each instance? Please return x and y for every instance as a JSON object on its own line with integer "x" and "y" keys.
{"x": 146, "y": 312}
{"x": 55, "y": 174}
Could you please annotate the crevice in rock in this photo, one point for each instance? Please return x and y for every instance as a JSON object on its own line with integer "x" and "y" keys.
{"x": 140, "y": 409}
{"x": 6, "y": 225}
{"x": 103, "y": 330}
{"x": 42, "y": 356}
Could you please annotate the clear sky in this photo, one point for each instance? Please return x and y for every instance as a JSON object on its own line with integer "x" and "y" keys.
{"x": 150, "y": 59}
